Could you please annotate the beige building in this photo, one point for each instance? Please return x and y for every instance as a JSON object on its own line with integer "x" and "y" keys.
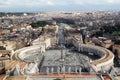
{"x": 51, "y": 29}
{"x": 11, "y": 45}
{"x": 116, "y": 50}
{"x": 42, "y": 40}
{"x": 104, "y": 42}
{"x": 77, "y": 39}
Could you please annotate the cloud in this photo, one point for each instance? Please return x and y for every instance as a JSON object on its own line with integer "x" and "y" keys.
{"x": 55, "y": 2}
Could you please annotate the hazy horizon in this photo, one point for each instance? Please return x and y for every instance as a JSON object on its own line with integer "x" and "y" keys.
{"x": 58, "y": 5}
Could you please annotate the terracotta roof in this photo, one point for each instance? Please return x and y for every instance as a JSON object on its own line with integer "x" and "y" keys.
{"x": 11, "y": 65}
{"x": 2, "y": 76}
{"x": 106, "y": 78}
{"x": 22, "y": 65}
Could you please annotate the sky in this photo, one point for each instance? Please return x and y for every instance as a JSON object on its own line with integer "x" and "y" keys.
{"x": 57, "y": 5}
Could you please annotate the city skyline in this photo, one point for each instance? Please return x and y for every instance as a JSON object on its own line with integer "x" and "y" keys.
{"x": 57, "y": 5}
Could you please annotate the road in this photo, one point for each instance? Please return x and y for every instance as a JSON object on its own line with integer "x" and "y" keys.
{"x": 61, "y": 36}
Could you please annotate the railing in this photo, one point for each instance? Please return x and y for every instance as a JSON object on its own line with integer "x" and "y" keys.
{"x": 69, "y": 76}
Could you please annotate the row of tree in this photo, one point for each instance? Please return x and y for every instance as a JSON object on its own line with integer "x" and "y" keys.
{"x": 114, "y": 30}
